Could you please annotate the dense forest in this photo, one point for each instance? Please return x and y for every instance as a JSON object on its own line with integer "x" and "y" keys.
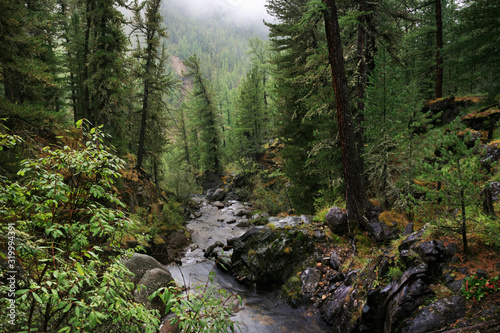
{"x": 370, "y": 106}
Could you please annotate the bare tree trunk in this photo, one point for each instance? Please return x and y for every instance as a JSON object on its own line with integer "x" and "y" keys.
{"x": 439, "y": 44}
{"x": 356, "y": 196}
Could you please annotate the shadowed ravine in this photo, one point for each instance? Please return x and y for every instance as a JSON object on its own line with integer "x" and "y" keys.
{"x": 261, "y": 311}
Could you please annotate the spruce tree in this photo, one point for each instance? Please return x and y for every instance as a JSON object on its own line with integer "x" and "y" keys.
{"x": 205, "y": 118}
{"x": 250, "y": 107}
{"x": 29, "y": 67}
{"x": 385, "y": 119}
{"x": 456, "y": 166}
{"x": 155, "y": 82}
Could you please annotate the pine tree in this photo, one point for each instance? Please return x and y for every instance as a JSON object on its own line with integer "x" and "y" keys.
{"x": 303, "y": 99}
{"x": 29, "y": 67}
{"x": 250, "y": 127}
{"x": 385, "y": 119}
{"x": 357, "y": 202}
{"x": 155, "y": 82}
{"x": 205, "y": 117}
{"x": 453, "y": 164}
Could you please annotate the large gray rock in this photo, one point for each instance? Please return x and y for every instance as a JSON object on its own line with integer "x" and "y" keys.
{"x": 437, "y": 315}
{"x": 265, "y": 257}
{"x": 153, "y": 280}
{"x": 337, "y": 221}
{"x": 380, "y": 232}
{"x": 139, "y": 264}
{"x": 218, "y": 195}
{"x": 310, "y": 278}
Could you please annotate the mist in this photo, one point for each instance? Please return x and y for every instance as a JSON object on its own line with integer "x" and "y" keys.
{"x": 240, "y": 12}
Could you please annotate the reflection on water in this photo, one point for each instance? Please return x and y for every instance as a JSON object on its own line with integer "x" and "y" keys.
{"x": 262, "y": 312}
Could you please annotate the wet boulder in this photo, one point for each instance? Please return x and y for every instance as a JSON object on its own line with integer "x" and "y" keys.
{"x": 310, "y": 279}
{"x": 336, "y": 219}
{"x": 387, "y": 305}
{"x": 139, "y": 264}
{"x": 436, "y": 315}
{"x": 218, "y": 195}
{"x": 268, "y": 257}
{"x": 410, "y": 297}
{"x": 434, "y": 253}
{"x": 339, "y": 308}
{"x": 153, "y": 280}
{"x": 380, "y": 232}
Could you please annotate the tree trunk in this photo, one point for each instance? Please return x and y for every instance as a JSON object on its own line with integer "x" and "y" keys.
{"x": 487, "y": 195}
{"x": 87, "y": 110}
{"x": 356, "y": 196}
{"x": 439, "y": 44}
{"x": 464, "y": 225}
{"x": 142, "y": 133}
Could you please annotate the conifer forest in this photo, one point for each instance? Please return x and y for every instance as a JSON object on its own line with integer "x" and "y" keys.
{"x": 249, "y": 166}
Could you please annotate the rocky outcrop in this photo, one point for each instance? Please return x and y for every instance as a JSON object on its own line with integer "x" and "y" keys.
{"x": 436, "y": 315}
{"x": 444, "y": 110}
{"x": 375, "y": 301}
{"x": 483, "y": 120}
{"x": 268, "y": 257}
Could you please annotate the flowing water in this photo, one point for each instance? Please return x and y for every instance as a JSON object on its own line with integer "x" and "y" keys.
{"x": 262, "y": 312}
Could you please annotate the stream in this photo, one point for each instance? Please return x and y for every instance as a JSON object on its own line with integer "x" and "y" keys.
{"x": 261, "y": 312}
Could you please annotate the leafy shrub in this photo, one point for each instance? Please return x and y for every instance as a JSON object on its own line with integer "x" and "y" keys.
{"x": 68, "y": 223}
{"x": 476, "y": 287}
{"x": 205, "y": 308}
{"x": 394, "y": 273}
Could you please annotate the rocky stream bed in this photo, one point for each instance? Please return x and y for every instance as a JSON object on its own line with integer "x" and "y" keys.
{"x": 293, "y": 278}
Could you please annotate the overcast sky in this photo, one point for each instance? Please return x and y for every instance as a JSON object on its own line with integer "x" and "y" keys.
{"x": 236, "y": 10}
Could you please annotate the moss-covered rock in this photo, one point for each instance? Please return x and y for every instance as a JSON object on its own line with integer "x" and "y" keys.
{"x": 268, "y": 257}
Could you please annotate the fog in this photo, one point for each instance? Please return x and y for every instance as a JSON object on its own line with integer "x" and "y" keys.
{"x": 241, "y": 12}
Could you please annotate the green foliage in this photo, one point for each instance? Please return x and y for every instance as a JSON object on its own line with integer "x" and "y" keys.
{"x": 179, "y": 177}
{"x": 270, "y": 193}
{"x": 250, "y": 127}
{"x": 206, "y": 121}
{"x": 475, "y": 48}
{"x": 386, "y": 116}
{"x": 205, "y": 308}
{"x": 394, "y": 273}
{"x": 453, "y": 171}
{"x": 68, "y": 223}
{"x": 476, "y": 288}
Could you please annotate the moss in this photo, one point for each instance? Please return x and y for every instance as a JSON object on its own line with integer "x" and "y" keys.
{"x": 321, "y": 215}
{"x": 157, "y": 240}
{"x": 292, "y": 290}
{"x": 483, "y": 114}
{"x": 391, "y": 217}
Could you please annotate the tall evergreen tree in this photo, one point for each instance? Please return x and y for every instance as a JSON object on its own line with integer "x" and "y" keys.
{"x": 155, "y": 82}
{"x": 303, "y": 98}
{"x": 205, "y": 117}
{"x": 356, "y": 195}
{"x": 28, "y": 62}
{"x": 477, "y": 48}
{"x": 250, "y": 106}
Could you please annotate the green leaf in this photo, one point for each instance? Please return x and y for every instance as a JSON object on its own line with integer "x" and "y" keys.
{"x": 79, "y": 269}
{"x": 37, "y": 298}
